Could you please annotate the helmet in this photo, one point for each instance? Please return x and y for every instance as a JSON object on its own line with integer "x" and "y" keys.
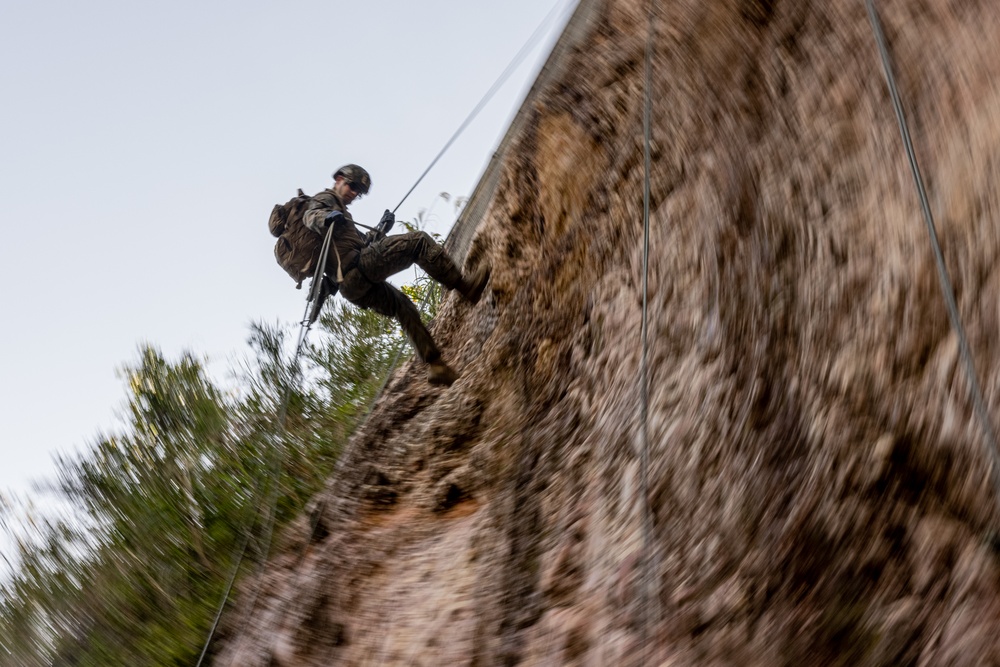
{"x": 356, "y": 175}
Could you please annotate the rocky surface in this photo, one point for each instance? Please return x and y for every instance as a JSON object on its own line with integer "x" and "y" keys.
{"x": 819, "y": 484}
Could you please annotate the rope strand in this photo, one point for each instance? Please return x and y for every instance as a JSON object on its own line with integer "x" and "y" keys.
{"x": 314, "y": 292}
{"x": 649, "y": 602}
{"x": 280, "y": 422}
{"x": 947, "y": 288}
{"x": 511, "y": 67}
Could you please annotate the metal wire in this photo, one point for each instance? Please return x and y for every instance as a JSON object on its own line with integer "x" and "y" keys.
{"x": 650, "y": 606}
{"x": 280, "y": 422}
{"x": 226, "y": 593}
{"x": 947, "y": 288}
{"x": 511, "y": 67}
{"x": 314, "y": 293}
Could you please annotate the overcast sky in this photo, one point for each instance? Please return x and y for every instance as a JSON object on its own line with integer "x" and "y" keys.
{"x": 143, "y": 144}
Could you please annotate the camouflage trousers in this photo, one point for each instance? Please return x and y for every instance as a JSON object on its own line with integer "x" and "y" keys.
{"x": 364, "y": 283}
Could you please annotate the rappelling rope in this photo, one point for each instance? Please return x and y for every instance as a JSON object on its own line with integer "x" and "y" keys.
{"x": 312, "y": 304}
{"x": 307, "y": 322}
{"x": 947, "y": 288}
{"x": 650, "y": 607}
{"x": 228, "y": 589}
{"x": 272, "y": 476}
{"x": 511, "y": 67}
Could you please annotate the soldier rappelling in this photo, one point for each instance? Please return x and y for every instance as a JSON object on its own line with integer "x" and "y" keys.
{"x": 358, "y": 264}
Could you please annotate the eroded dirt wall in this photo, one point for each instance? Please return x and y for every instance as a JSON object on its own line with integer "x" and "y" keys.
{"x": 819, "y": 484}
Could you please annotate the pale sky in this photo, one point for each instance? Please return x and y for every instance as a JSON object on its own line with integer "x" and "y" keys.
{"x": 143, "y": 144}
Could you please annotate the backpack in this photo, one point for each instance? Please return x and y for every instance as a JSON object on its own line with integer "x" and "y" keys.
{"x": 297, "y": 246}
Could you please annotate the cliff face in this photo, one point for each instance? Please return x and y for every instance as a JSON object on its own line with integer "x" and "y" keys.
{"x": 819, "y": 484}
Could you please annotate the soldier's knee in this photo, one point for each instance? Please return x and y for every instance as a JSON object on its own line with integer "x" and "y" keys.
{"x": 429, "y": 246}
{"x": 424, "y": 239}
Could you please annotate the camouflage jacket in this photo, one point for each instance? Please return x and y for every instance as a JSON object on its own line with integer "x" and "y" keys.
{"x": 301, "y": 239}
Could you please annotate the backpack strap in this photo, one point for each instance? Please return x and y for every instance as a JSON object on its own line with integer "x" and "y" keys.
{"x": 340, "y": 275}
{"x": 278, "y": 221}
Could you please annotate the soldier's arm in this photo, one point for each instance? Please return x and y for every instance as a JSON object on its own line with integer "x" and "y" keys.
{"x": 319, "y": 214}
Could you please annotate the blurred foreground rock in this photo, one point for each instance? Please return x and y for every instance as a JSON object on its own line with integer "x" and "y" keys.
{"x": 820, "y": 486}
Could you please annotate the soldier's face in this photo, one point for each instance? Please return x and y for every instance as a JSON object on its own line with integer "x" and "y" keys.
{"x": 344, "y": 190}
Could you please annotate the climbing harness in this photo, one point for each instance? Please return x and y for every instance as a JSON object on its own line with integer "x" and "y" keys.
{"x": 947, "y": 288}
{"x": 323, "y": 286}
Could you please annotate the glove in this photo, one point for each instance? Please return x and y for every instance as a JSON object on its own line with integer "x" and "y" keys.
{"x": 332, "y": 218}
{"x": 387, "y": 221}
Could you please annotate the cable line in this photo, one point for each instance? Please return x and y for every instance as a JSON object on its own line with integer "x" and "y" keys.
{"x": 947, "y": 288}
{"x": 649, "y": 601}
{"x": 225, "y": 595}
{"x": 511, "y": 67}
{"x": 273, "y": 468}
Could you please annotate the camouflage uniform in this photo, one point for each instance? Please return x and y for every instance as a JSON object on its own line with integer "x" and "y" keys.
{"x": 365, "y": 269}
{"x": 299, "y": 228}
{"x": 347, "y": 239}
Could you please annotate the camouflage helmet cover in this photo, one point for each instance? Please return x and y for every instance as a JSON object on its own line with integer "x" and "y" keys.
{"x": 355, "y": 174}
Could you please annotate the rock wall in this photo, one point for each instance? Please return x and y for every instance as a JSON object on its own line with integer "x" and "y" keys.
{"x": 819, "y": 484}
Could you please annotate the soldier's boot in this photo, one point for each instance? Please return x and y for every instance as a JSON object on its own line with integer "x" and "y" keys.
{"x": 472, "y": 286}
{"x": 440, "y": 373}
{"x": 439, "y": 266}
